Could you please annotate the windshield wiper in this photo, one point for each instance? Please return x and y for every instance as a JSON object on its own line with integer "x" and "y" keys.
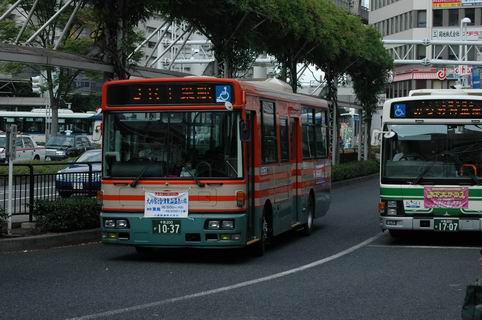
{"x": 194, "y": 177}
{"x": 135, "y": 182}
{"x": 457, "y": 161}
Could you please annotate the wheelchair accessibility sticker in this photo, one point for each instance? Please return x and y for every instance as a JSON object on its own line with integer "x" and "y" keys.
{"x": 399, "y": 110}
{"x": 223, "y": 93}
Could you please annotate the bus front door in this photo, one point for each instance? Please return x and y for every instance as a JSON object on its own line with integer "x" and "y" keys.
{"x": 295, "y": 137}
{"x": 250, "y": 151}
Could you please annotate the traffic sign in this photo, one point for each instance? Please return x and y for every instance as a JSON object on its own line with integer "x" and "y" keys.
{"x": 11, "y": 142}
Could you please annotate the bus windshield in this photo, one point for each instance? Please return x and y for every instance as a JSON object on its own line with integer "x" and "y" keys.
{"x": 186, "y": 145}
{"x": 427, "y": 154}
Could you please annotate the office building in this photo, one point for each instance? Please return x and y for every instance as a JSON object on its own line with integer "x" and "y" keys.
{"x": 426, "y": 19}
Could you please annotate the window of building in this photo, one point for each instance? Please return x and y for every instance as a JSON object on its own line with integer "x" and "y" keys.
{"x": 438, "y": 18}
{"x": 453, "y": 17}
{"x": 268, "y": 132}
{"x": 421, "y": 19}
{"x": 284, "y": 139}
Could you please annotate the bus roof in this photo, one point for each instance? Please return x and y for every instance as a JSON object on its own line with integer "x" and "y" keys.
{"x": 446, "y": 92}
{"x": 278, "y": 89}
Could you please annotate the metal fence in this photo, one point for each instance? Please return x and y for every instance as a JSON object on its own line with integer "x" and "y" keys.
{"x": 76, "y": 179}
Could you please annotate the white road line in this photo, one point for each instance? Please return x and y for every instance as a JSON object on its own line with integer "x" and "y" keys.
{"x": 421, "y": 247}
{"x": 231, "y": 287}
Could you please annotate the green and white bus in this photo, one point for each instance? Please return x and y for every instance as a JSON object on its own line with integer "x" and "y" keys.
{"x": 431, "y": 162}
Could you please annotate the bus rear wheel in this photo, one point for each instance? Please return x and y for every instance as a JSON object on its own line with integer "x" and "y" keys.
{"x": 308, "y": 226}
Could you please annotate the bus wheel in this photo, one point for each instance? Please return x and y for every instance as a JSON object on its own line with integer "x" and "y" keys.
{"x": 259, "y": 248}
{"x": 397, "y": 233}
{"x": 308, "y": 227}
{"x": 36, "y": 158}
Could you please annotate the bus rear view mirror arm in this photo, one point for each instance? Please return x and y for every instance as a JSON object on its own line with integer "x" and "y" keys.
{"x": 377, "y": 136}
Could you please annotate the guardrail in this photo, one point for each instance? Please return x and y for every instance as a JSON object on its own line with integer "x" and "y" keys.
{"x": 76, "y": 179}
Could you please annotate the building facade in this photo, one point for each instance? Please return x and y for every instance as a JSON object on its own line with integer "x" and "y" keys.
{"x": 420, "y": 20}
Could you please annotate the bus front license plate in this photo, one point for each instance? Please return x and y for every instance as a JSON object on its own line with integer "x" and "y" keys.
{"x": 166, "y": 226}
{"x": 446, "y": 225}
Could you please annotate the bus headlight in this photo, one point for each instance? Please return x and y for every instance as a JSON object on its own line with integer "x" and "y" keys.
{"x": 392, "y": 204}
{"x": 227, "y": 224}
{"x": 122, "y": 224}
{"x": 109, "y": 223}
{"x": 214, "y": 224}
{"x": 392, "y": 212}
{"x": 60, "y": 153}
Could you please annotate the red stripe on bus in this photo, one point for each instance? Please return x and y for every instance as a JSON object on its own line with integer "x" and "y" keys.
{"x": 109, "y": 197}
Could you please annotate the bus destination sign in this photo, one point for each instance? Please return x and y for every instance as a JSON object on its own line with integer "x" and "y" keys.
{"x": 436, "y": 109}
{"x": 168, "y": 94}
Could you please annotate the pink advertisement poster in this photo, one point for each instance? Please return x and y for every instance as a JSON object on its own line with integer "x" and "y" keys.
{"x": 446, "y": 197}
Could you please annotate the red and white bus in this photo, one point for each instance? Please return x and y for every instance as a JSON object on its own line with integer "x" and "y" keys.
{"x": 211, "y": 163}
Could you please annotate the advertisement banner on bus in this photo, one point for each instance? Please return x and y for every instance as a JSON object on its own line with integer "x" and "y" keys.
{"x": 166, "y": 204}
{"x": 446, "y": 197}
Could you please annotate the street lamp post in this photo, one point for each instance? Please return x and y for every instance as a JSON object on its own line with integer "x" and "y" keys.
{"x": 462, "y": 56}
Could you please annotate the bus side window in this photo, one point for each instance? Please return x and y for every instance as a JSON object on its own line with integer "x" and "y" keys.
{"x": 284, "y": 137}
{"x": 269, "y": 149}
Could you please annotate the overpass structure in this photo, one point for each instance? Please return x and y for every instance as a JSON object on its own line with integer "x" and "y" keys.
{"x": 49, "y": 57}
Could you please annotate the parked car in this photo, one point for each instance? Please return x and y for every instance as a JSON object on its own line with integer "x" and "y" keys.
{"x": 26, "y": 149}
{"x": 68, "y": 145}
{"x": 74, "y": 179}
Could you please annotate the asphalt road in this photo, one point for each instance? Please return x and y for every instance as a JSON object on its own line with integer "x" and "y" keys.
{"x": 346, "y": 269}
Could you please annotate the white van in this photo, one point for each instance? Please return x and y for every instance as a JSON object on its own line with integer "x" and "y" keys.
{"x": 26, "y": 149}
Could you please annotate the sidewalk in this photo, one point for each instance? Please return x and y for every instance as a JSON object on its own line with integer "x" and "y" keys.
{"x": 20, "y": 242}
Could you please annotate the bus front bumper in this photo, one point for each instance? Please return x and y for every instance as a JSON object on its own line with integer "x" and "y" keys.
{"x": 193, "y": 231}
{"x": 428, "y": 223}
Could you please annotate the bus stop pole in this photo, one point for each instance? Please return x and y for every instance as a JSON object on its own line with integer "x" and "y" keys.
{"x": 11, "y": 155}
{"x": 10, "y": 187}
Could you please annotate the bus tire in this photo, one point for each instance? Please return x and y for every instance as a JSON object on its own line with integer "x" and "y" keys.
{"x": 259, "y": 248}
{"x": 37, "y": 157}
{"x": 308, "y": 226}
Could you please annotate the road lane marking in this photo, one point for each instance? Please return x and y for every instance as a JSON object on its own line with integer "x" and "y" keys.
{"x": 420, "y": 247}
{"x": 231, "y": 287}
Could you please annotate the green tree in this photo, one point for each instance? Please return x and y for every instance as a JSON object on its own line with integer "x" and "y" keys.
{"x": 227, "y": 24}
{"x": 370, "y": 73}
{"x": 115, "y": 35}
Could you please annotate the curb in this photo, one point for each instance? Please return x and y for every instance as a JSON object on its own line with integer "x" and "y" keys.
{"x": 342, "y": 183}
{"x": 50, "y": 240}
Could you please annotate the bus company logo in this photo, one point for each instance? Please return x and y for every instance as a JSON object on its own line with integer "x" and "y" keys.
{"x": 412, "y": 204}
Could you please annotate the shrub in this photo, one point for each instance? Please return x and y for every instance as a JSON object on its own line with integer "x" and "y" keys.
{"x": 354, "y": 169}
{"x": 3, "y": 216}
{"x": 66, "y": 214}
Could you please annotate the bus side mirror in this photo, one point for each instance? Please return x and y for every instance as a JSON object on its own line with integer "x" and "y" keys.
{"x": 376, "y": 138}
{"x": 244, "y": 131}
